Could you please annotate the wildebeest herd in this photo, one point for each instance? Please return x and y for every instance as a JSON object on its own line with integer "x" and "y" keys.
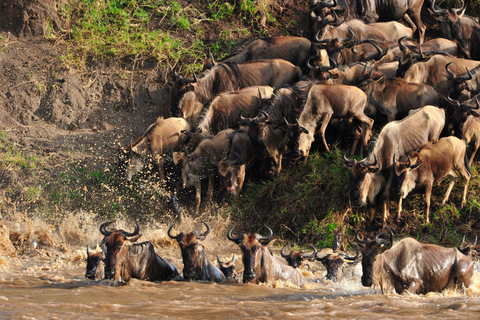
{"x": 405, "y": 265}
{"x": 267, "y": 103}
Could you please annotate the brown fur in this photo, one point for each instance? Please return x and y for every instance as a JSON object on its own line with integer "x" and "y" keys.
{"x": 435, "y": 162}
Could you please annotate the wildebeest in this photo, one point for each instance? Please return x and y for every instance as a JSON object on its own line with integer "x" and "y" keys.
{"x": 125, "y": 259}
{"x": 190, "y": 97}
{"x": 380, "y": 31}
{"x": 160, "y": 140}
{"x": 431, "y": 165}
{"x": 334, "y": 262}
{"x": 411, "y": 266}
{"x": 292, "y": 49}
{"x": 202, "y": 163}
{"x": 471, "y": 250}
{"x": 379, "y": 10}
{"x": 331, "y": 101}
{"x": 196, "y": 265}
{"x": 466, "y": 85}
{"x": 259, "y": 263}
{"x": 471, "y": 131}
{"x": 268, "y": 131}
{"x": 392, "y": 97}
{"x": 95, "y": 269}
{"x": 224, "y": 110}
{"x": 433, "y": 72}
{"x": 465, "y": 121}
{"x": 227, "y": 267}
{"x": 296, "y": 258}
{"x": 367, "y": 177}
{"x": 456, "y": 25}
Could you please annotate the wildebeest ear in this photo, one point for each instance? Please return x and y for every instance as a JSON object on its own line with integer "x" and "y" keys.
{"x": 303, "y": 130}
{"x": 178, "y": 157}
{"x": 415, "y": 166}
{"x": 268, "y": 243}
{"x": 134, "y": 239}
{"x": 475, "y": 113}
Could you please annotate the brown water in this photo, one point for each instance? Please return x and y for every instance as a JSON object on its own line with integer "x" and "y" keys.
{"x": 47, "y": 282}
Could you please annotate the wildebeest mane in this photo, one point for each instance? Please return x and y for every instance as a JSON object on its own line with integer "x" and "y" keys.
{"x": 203, "y": 120}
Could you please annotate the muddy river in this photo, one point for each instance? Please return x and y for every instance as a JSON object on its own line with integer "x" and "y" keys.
{"x": 45, "y": 280}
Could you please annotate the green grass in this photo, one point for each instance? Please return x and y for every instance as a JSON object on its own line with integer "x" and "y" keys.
{"x": 12, "y": 157}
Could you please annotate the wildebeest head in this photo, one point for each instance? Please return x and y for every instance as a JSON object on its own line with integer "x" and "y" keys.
{"x": 295, "y": 258}
{"x": 405, "y": 169}
{"x": 462, "y": 111}
{"x": 469, "y": 249}
{"x": 117, "y": 243}
{"x": 362, "y": 178}
{"x": 227, "y": 266}
{"x": 192, "y": 250}
{"x": 250, "y": 244}
{"x": 463, "y": 87}
{"x": 333, "y": 262}
{"x": 449, "y": 19}
{"x": 370, "y": 250}
{"x": 95, "y": 264}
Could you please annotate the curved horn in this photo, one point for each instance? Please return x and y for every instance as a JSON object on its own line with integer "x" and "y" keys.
{"x": 88, "y": 251}
{"x": 219, "y": 261}
{"x": 402, "y": 47}
{"x": 456, "y": 10}
{"x": 352, "y": 34}
{"x": 437, "y": 12}
{"x": 282, "y": 253}
{"x": 454, "y": 102}
{"x": 264, "y": 238}
{"x": 103, "y": 226}
{"x": 309, "y": 65}
{"x": 232, "y": 238}
{"x": 357, "y": 238}
{"x": 322, "y": 258}
{"x": 451, "y": 75}
{"x": 131, "y": 234}
{"x": 324, "y": 4}
{"x": 169, "y": 232}
{"x": 378, "y": 55}
{"x": 348, "y": 162}
{"x": 475, "y": 242}
{"x": 311, "y": 256}
{"x": 195, "y": 79}
{"x": 346, "y": 257}
{"x": 260, "y": 95}
{"x": 466, "y": 77}
{"x": 260, "y": 119}
{"x": 206, "y": 232}
{"x": 365, "y": 164}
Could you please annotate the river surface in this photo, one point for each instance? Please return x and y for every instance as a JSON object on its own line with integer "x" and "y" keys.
{"x": 47, "y": 282}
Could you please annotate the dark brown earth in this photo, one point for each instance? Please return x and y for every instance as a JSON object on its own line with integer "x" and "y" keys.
{"x": 68, "y": 117}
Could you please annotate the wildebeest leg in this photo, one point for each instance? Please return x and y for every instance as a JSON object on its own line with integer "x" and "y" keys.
{"x": 278, "y": 164}
{"x": 453, "y": 178}
{"x": 358, "y": 132}
{"x": 386, "y": 195}
{"x": 428, "y": 195}
{"x": 466, "y": 175}
{"x": 161, "y": 167}
{"x": 198, "y": 195}
{"x": 399, "y": 209}
{"x": 323, "y": 127}
{"x": 463, "y": 271}
{"x": 368, "y": 132}
{"x": 415, "y": 14}
{"x": 477, "y": 145}
{"x": 410, "y": 23}
{"x": 240, "y": 179}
